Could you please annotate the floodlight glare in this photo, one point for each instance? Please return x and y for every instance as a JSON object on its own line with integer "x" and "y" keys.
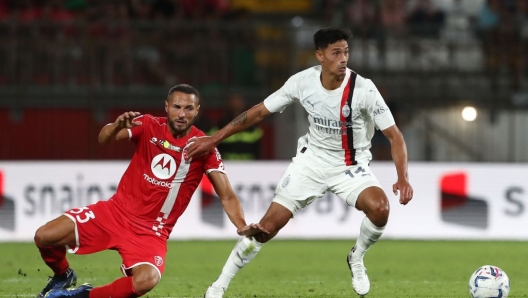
{"x": 469, "y": 114}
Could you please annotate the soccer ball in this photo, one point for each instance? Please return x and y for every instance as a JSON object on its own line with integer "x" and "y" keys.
{"x": 489, "y": 282}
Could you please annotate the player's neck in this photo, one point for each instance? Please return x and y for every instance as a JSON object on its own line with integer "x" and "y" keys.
{"x": 331, "y": 81}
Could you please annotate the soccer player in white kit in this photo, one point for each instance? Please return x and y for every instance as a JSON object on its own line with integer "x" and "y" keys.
{"x": 343, "y": 111}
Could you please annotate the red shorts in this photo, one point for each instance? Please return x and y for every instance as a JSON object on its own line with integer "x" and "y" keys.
{"x": 102, "y": 226}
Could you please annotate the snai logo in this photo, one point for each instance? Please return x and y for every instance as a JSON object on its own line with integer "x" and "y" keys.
{"x": 163, "y": 166}
{"x": 7, "y": 208}
{"x": 457, "y": 206}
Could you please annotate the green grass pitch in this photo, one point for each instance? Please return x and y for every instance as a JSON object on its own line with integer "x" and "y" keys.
{"x": 290, "y": 268}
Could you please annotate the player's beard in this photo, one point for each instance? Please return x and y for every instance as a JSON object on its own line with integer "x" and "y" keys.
{"x": 180, "y": 130}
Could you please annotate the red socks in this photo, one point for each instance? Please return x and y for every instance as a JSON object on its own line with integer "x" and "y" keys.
{"x": 55, "y": 258}
{"x": 120, "y": 288}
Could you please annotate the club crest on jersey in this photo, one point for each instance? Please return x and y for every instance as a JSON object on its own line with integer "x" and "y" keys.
{"x": 286, "y": 181}
{"x": 158, "y": 261}
{"x": 345, "y": 111}
{"x": 163, "y": 166}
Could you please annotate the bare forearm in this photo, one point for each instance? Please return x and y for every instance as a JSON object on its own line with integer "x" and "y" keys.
{"x": 399, "y": 156}
{"x": 234, "y": 212}
{"x": 108, "y": 133}
{"x": 241, "y": 122}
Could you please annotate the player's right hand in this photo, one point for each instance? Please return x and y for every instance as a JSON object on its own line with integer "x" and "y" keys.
{"x": 125, "y": 120}
{"x": 251, "y": 230}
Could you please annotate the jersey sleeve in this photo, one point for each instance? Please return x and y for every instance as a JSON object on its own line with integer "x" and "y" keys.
{"x": 377, "y": 108}
{"x": 213, "y": 162}
{"x": 285, "y": 96}
{"x": 135, "y": 133}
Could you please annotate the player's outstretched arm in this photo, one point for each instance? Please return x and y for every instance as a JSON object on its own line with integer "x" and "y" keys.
{"x": 231, "y": 204}
{"x": 202, "y": 145}
{"x": 117, "y": 131}
{"x": 399, "y": 155}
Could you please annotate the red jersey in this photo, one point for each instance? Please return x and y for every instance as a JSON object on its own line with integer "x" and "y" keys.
{"x": 158, "y": 184}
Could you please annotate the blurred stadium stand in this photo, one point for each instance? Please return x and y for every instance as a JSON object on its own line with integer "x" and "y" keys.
{"x": 68, "y": 67}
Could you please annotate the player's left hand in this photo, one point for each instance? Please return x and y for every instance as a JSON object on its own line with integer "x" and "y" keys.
{"x": 406, "y": 191}
{"x": 197, "y": 146}
{"x": 251, "y": 230}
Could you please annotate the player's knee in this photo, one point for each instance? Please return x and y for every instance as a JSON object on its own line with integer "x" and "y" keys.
{"x": 41, "y": 238}
{"x": 380, "y": 212}
{"x": 145, "y": 281}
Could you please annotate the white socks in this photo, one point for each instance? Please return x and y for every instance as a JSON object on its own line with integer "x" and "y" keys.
{"x": 368, "y": 235}
{"x": 243, "y": 252}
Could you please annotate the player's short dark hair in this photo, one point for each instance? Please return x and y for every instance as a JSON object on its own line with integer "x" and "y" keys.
{"x": 187, "y": 89}
{"x": 327, "y": 36}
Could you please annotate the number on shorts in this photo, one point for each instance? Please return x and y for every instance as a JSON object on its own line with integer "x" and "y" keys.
{"x": 359, "y": 170}
{"x": 87, "y": 215}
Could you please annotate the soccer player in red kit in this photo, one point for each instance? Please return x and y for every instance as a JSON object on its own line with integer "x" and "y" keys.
{"x": 152, "y": 194}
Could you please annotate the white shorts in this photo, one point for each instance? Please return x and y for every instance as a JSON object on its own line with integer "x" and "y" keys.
{"x": 308, "y": 178}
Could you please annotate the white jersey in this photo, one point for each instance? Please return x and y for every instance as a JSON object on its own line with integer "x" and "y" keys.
{"x": 342, "y": 121}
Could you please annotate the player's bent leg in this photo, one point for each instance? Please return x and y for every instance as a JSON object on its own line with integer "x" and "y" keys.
{"x": 121, "y": 287}
{"x": 247, "y": 248}
{"x": 273, "y": 221}
{"x": 375, "y": 204}
{"x": 58, "y": 232}
{"x": 144, "y": 278}
{"x": 51, "y": 239}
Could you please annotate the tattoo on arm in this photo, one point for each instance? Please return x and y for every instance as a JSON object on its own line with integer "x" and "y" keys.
{"x": 240, "y": 119}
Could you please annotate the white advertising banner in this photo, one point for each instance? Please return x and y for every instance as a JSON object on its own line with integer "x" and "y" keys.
{"x": 451, "y": 201}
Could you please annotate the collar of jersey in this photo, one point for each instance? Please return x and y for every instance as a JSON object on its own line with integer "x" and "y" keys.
{"x": 335, "y": 91}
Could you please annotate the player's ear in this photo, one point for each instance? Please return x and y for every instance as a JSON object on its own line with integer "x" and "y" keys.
{"x": 319, "y": 55}
{"x": 166, "y": 106}
{"x": 197, "y": 109}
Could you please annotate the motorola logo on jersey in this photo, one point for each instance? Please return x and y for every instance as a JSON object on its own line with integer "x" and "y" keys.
{"x": 163, "y": 166}
{"x": 457, "y": 206}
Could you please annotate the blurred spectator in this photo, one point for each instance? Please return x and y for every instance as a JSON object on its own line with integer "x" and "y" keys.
{"x": 508, "y": 46}
{"x": 459, "y": 22}
{"x": 487, "y": 30}
{"x": 242, "y": 43}
{"x": 205, "y": 9}
{"x": 332, "y": 12}
{"x": 28, "y": 10}
{"x": 393, "y": 15}
{"x": 521, "y": 19}
{"x": 155, "y": 9}
{"x": 426, "y": 20}
{"x": 4, "y": 10}
{"x": 499, "y": 32}
{"x": 244, "y": 145}
{"x": 361, "y": 16}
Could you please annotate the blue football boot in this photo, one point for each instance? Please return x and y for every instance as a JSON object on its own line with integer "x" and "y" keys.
{"x": 80, "y": 292}
{"x": 63, "y": 281}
